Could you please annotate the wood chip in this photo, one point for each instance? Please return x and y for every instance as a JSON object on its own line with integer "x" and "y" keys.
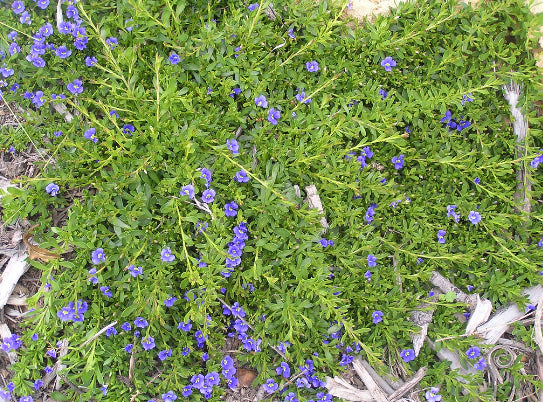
{"x": 479, "y": 315}
{"x": 314, "y": 201}
{"x": 245, "y": 377}
{"x": 410, "y": 384}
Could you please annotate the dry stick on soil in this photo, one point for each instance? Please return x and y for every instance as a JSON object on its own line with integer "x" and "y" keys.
{"x": 479, "y": 315}
{"x": 375, "y": 390}
{"x": 520, "y": 128}
{"x": 99, "y": 333}
{"x": 314, "y": 201}
{"x": 378, "y": 379}
{"x": 446, "y": 286}
{"x": 342, "y": 389}
{"x": 493, "y": 329}
{"x": 422, "y": 317}
{"x": 16, "y": 267}
{"x": 411, "y": 383}
{"x": 63, "y": 351}
{"x": 538, "y": 337}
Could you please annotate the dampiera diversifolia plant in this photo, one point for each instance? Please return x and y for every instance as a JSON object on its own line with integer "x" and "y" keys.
{"x": 191, "y": 125}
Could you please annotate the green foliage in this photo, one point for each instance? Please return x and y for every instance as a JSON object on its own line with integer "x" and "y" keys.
{"x": 122, "y": 192}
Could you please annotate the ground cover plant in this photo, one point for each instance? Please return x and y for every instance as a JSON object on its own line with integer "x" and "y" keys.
{"x": 181, "y": 137}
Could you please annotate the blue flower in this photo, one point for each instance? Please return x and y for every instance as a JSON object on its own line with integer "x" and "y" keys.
{"x": 90, "y": 135}
{"x": 233, "y": 146}
{"x": 187, "y": 190}
{"x": 231, "y": 209}
{"x": 128, "y": 347}
{"x": 148, "y": 343}
{"x": 90, "y": 61}
{"x": 270, "y": 386}
{"x": 75, "y": 87}
{"x": 383, "y": 94}
{"x": 206, "y": 175}
{"x": 283, "y": 370}
{"x": 441, "y": 236}
{"x": 300, "y": 96}
{"x": 208, "y": 196}
{"x": 253, "y": 6}
{"x": 164, "y": 354}
{"x": 473, "y": 352}
{"x": 98, "y": 256}
{"x": 18, "y": 7}
{"x": 63, "y": 52}
{"x": 312, "y": 66}
{"x": 112, "y": 42}
{"x": 372, "y": 260}
{"x": 273, "y": 116}
{"x": 111, "y": 331}
{"x": 105, "y": 291}
{"x": 140, "y": 322}
{"x": 432, "y": 395}
{"x": 398, "y": 162}
{"x": 169, "y": 302}
{"x": 135, "y": 272}
{"x": 126, "y": 326}
{"x": 241, "y": 176}
{"x": 377, "y": 316}
{"x": 407, "y": 355}
{"x": 367, "y": 275}
{"x": 128, "y": 129}
{"x": 290, "y": 33}
{"x": 388, "y": 62}
{"x": 477, "y": 180}
{"x": 52, "y": 189}
{"x": 169, "y": 396}
{"x": 185, "y": 327}
{"x": 480, "y": 365}
{"x": 166, "y": 255}
{"x": 174, "y": 58}
{"x": 261, "y": 101}
{"x": 212, "y": 378}
{"x": 466, "y": 98}
{"x": 474, "y": 217}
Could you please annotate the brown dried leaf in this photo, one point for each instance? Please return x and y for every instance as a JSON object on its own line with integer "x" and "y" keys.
{"x": 35, "y": 252}
{"x": 246, "y": 377}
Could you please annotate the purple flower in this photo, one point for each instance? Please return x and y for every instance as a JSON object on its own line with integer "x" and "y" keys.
{"x": 241, "y": 176}
{"x": 474, "y": 217}
{"x": 212, "y": 378}
{"x": 312, "y": 66}
{"x": 42, "y": 4}
{"x": 367, "y": 275}
{"x": 75, "y": 87}
{"x": 12, "y": 342}
{"x": 90, "y": 61}
{"x": 432, "y": 395}
{"x": 300, "y": 96}
{"x": 128, "y": 347}
{"x": 233, "y": 146}
{"x": 112, "y": 42}
{"x": 18, "y": 7}
{"x": 184, "y": 326}
{"x": 477, "y": 180}
{"x": 261, "y": 101}
{"x": 98, "y": 256}
{"x": 388, "y": 62}
{"x": 231, "y": 209}
{"x": 52, "y": 189}
{"x": 135, "y": 271}
{"x": 105, "y": 291}
{"x": 383, "y": 94}
{"x": 26, "y": 399}
{"x": 480, "y": 365}
{"x": 253, "y": 6}
{"x": 126, "y": 326}
{"x": 290, "y": 33}
{"x": 208, "y": 196}
{"x": 164, "y": 354}
{"x": 372, "y": 260}
{"x": 128, "y": 129}
{"x": 270, "y": 386}
{"x": 166, "y": 255}
{"x": 148, "y": 343}
{"x": 466, "y": 98}
{"x": 111, "y": 331}
{"x": 187, "y": 190}
{"x": 227, "y": 362}
{"x": 65, "y": 314}
{"x": 140, "y": 322}
{"x": 273, "y": 116}
{"x": 407, "y": 355}
{"x": 169, "y": 302}
{"x": 398, "y": 162}
{"x": 169, "y": 396}
{"x": 174, "y": 58}
{"x": 377, "y": 316}
{"x": 232, "y": 382}
{"x": 473, "y": 352}
{"x": 63, "y": 52}
{"x": 441, "y": 236}
{"x": 90, "y": 135}
{"x": 14, "y": 48}
{"x": 283, "y": 370}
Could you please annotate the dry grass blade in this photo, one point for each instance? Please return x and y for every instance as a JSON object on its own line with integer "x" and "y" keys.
{"x": 35, "y": 252}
